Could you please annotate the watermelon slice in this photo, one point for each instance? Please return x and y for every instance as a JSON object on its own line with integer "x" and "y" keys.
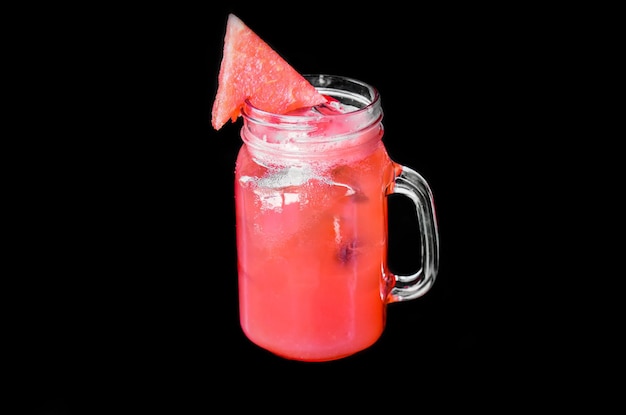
{"x": 251, "y": 69}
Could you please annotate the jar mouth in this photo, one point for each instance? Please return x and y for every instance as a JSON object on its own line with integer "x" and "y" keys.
{"x": 355, "y": 97}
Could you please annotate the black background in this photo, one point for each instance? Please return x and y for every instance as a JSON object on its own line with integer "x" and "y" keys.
{"x": 126, "y": 297}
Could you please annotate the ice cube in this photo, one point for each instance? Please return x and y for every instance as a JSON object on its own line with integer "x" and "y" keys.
{"x": 288, "y": 176}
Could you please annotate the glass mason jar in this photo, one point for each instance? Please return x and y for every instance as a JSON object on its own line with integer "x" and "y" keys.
{"x": 311, "y": 193}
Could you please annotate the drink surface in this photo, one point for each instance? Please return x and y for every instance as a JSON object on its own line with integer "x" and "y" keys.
{"x": 311, "y": 238}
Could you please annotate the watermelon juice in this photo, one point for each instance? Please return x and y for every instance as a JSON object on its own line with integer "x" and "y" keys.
{"x": 311, "y": 211}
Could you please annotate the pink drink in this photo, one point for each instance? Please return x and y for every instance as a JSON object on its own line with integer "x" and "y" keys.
{"x": 311, "y": 201}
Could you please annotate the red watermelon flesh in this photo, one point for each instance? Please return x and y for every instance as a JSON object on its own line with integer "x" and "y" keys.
{"x": 251, "y": 69}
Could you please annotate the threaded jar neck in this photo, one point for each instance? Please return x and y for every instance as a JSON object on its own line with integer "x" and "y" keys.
{"x": 350, "y": 122}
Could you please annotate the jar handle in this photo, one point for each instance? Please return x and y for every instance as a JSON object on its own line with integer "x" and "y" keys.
{"x": 407, "y": 287}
